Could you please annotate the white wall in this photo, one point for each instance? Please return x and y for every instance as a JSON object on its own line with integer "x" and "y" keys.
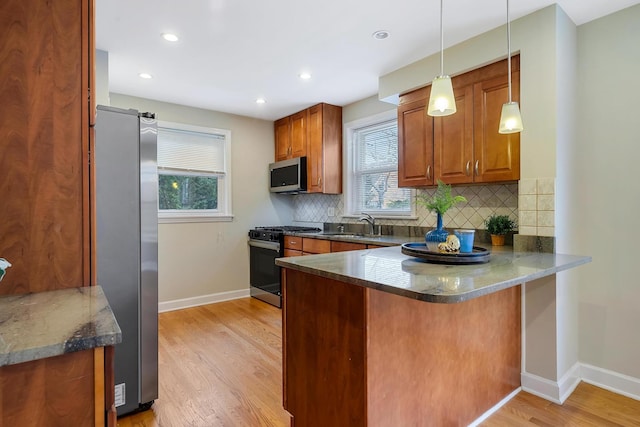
{"x": 200, "y": 259}
{"x": 607, "y": 200}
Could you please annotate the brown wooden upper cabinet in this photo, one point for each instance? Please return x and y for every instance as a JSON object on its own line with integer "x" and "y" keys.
{"x": 316, "y": 133}
{"x": 466, "y": 146}
{"x": 415, "y": 140}
{"x": 291, "y": 136}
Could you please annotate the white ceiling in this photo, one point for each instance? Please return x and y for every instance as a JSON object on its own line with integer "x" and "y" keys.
{"x": 232, "y": 52}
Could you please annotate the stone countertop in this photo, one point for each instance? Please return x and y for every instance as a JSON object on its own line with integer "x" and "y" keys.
{"x": 388, "y": 270}
{"x": 45, "y": 324}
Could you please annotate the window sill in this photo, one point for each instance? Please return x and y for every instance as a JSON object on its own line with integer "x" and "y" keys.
{"x": 193, "y": 219}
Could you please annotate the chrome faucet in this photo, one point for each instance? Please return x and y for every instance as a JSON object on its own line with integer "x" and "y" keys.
{"x": 372, "y": 222}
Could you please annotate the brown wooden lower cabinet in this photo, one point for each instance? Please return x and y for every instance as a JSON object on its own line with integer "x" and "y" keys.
{"x": 355, "y": 356}
{"x": 346, "y": 246}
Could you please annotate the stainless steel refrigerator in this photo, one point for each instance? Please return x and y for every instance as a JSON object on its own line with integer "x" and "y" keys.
{"x": 126, "y": 193}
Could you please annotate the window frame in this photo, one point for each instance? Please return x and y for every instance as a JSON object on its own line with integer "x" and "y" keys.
{"x": 351, "y": 202}
{"x": 224, "y": 210}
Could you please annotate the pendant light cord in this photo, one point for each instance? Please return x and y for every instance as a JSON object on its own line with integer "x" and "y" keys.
{"x": 508, "y": 49}
{"x": 442, "y": 41}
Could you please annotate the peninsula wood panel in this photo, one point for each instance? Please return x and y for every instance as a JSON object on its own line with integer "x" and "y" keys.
{"x": 44, "y": 129}
{"x": 324, "y": 351}
{"x": 413, "y": 363}
{"x": 57, "y": 391}
{"x": 440, "y": 364}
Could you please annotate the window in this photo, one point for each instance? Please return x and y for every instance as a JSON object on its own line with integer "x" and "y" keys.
{"x": 373, "y": 168}
{"x": 193, "y": 173}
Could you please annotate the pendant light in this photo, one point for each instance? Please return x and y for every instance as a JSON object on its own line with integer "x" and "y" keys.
{"x": 510, "y": 119}
{"x": 441, "y": 101}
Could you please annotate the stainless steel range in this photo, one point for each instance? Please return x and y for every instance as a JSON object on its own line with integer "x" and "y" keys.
{"x": 265, "y": 245}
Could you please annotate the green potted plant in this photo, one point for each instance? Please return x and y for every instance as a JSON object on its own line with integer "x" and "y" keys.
{"x": 498, "y": 226}
{"x": 439, "y": 203}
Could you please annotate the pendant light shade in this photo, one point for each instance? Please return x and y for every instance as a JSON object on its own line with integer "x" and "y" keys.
{"x": 441, "y": 101}
{"x": 510, "y": 118}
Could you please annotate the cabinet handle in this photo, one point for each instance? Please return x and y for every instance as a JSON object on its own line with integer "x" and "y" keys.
{"x": 476, "y": 167}
{"x": 319, "y": 181}
{"x": 468, "y": 168}
{"x": 428, "y": 171}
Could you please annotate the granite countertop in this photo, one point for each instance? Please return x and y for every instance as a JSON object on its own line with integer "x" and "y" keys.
{"x": 388, "y": 270}
{"x": 45, "y": 324}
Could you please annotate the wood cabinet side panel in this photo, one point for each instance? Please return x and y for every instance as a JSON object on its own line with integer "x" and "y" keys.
{"x": 54, "y": 391}
{"x": 41, "y": 150}
{"x": 324, "y": 336}
{"x": 440, "y": 364}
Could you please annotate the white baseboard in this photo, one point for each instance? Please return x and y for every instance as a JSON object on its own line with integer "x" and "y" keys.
{"x": 610, "y": 380}
{"x": 179, "y": 304}
{"x": 558, "y": 392}
{"x": 495, "y": 408}
{"x": 553, "y": 391}
{"x": 541, "y": 387}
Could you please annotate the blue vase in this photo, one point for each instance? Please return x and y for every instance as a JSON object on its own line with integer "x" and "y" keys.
{"x": 435, "y": 236}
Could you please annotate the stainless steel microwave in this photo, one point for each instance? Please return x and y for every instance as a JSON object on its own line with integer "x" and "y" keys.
{"x": 288, "y": 176}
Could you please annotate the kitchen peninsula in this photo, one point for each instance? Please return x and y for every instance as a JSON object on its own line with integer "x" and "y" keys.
{"x": 377, "y": 338}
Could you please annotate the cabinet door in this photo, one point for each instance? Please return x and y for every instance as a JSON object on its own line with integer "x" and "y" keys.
{"x": 497, "y": 156}
{"x": 282, "y": 130}
{"x": 453, "y": 141}
{"x": 299, "y": 133}
{"x": 415, "y": 145}
{"x": 315, "y": 158}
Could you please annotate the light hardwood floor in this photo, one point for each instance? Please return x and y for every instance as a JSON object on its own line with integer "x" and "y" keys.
{"x": 221, "y": 365}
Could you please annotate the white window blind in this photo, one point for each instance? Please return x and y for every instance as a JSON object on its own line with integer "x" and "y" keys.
{"x": 375, "y": 171}
{"x": 182, "y": 150}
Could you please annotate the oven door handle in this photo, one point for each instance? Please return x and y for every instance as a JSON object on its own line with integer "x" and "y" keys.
{"x": 274, "y": 246}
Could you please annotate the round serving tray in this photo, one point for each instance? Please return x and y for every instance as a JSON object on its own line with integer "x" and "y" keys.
{"x": 419, "y": 250}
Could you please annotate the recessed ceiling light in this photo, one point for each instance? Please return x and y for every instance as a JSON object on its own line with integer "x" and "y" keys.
{"x": 380, "y": 34}
{"x": 305, "y": 76}
{"x": 261, "y": 101}
{"x": 170, "y": 37}
{"x": 145, "y": 76}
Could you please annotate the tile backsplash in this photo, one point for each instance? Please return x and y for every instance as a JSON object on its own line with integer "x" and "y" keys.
{"x": 482, "y": 201}
{"x": 537, "y": 206}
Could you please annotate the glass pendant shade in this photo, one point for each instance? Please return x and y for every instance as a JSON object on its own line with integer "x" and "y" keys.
{"x": 510, "y": 119}
{"x": 441, "y": 101}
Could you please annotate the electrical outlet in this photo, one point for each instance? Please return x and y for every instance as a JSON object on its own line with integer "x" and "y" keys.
{"x": 120, "y": 395}
{"x": 331, "y": 211}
